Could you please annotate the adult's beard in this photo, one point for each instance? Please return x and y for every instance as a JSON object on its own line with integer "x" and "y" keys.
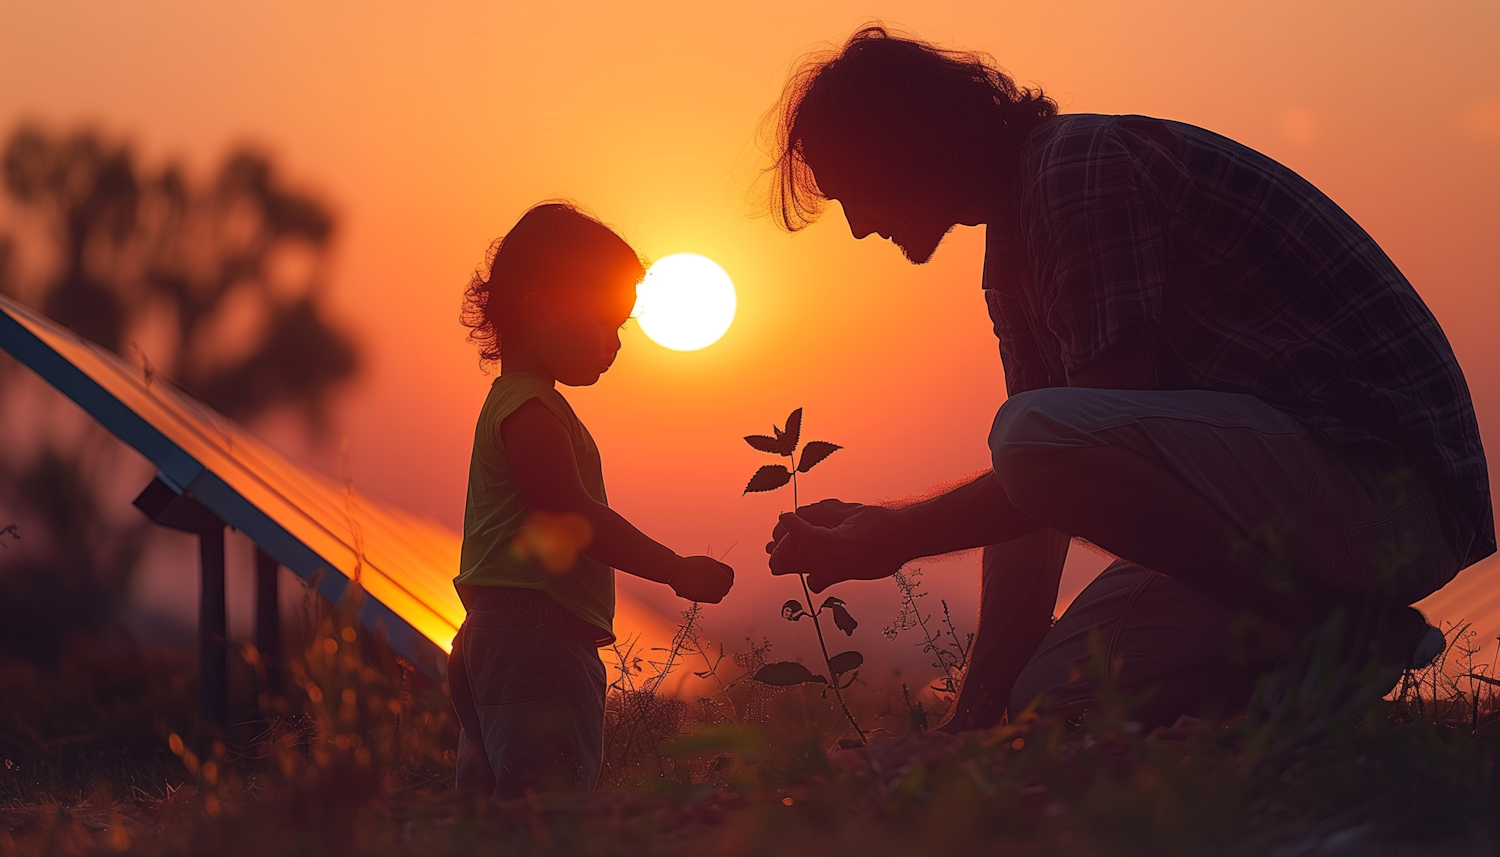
{"x": 919, "y": 254}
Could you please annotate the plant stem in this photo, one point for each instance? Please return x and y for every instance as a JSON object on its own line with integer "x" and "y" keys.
{"x": 934, "y": 646}
{"x": 679, "y": 640}
{"x": 833, "y": 680}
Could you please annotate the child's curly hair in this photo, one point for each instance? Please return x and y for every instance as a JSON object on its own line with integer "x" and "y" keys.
{"x": 554, "y": 244}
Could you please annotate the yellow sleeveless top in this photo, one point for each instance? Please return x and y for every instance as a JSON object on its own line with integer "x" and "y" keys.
{"x": 494, "y": 511}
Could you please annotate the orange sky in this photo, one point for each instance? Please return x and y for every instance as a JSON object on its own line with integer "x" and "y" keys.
{"x": 432, "y": 129}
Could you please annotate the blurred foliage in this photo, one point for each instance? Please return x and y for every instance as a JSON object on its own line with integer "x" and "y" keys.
{"x": 82, "y": 572}
{"x": 217, "y": 286}
{"x": 356, "y": 759}
{"x": 98, "y": 713}
{"x": 233, "y": 270}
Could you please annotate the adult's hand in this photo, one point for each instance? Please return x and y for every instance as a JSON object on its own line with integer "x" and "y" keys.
{"x": 824, "y": 513}
{"x": 833, "y": 541}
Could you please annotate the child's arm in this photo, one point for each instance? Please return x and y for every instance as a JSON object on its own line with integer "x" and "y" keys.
{"x": 541, "y": 458}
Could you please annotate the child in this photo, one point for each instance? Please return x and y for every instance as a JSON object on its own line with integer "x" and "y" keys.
{"x": 540, "y": 543}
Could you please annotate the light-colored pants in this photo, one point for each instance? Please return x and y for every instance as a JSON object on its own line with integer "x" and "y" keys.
{"x": 1314, "y": 526}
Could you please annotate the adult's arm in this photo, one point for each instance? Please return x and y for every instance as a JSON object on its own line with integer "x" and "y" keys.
{"x": 1019, "y": 580}
{"x": 871, "y": 542}
{"x": 1017, "y": 594}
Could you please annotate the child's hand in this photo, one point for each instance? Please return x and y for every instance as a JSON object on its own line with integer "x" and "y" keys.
{"x": 701, "y": 578}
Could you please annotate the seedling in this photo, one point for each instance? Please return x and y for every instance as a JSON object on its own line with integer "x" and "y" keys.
{"x": 783, "y": 442}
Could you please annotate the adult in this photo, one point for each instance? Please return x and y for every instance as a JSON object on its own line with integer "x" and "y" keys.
{"x": 1213, "y": 373}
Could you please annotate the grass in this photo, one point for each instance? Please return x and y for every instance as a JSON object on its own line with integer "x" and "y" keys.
{"x": 102, "y": 755}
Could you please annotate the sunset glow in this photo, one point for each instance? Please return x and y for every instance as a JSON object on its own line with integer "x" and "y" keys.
{"x": 430, "y": 134}
{"x": 686, "y": 302}
{"x": 687, "y": 428}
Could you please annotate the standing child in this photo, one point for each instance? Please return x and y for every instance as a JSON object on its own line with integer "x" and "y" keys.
{"x": 540, "y": 542}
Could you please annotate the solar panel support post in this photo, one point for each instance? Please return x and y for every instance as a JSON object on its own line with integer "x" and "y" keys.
{"x": 167, "y": 506}
{"x": 268, "y": 617}
{"x": 213, "y": 628}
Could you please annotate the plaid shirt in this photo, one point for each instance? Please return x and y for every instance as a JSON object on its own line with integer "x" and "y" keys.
{"x": 1254, "y": 281}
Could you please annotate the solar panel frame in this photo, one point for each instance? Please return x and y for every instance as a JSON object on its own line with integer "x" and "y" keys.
{"x": 24, "y": 334}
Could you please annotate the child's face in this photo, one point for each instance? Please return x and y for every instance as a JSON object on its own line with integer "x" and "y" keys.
{"x": 575, "y": 332}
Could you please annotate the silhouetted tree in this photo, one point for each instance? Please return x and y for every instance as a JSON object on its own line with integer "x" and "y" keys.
{"x": 234, "y": 268}
{"x": 217, "y": 286}
{"x": 75, "y": 572}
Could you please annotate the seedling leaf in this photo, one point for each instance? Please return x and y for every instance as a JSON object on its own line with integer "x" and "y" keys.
{"x": 768, "y": 478}
{"x": 792, "y": 610}
{"x": 842, "y": 619}
{"x": 815, "y": 452}
{"x": 763, "y": 443}
{"x": 786, "y": 674}
{"x": 792, "y": 434}
{"x": 845, "y": 662}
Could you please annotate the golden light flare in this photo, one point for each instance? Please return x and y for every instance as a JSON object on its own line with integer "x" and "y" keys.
{"x": 685, "y": 303}
{"x": 555, "y": 539}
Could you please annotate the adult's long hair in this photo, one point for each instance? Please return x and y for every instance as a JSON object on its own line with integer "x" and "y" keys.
{"x": 884, "y": 95}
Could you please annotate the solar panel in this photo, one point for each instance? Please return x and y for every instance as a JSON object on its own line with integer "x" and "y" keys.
{"x": 314, "y": 526}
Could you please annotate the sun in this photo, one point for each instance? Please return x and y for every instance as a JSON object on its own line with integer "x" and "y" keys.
{"x": 686, "y": 302}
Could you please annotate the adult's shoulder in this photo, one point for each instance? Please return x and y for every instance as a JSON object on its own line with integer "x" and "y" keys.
{"x": 1071, "y": 136}
{"x": 1072, "y": 125}
{"x": 1066, "y": 160}
{"x": 1069, "y": 145}
{"x": 1094, "y": 150}
{"x": 1074, "y": 136}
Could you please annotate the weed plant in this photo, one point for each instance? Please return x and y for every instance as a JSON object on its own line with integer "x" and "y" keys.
{"x": 940, "y": 639}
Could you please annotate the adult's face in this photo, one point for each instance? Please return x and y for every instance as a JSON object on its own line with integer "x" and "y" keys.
{"x": 886, "y": 201}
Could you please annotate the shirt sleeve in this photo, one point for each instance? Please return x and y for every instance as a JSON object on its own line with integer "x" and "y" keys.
{"x": 1098, "y": 245}
{"x": 510, "y": 392}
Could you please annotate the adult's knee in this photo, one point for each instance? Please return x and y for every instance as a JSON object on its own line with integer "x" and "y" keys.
{"x": 1031, "y": 434}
